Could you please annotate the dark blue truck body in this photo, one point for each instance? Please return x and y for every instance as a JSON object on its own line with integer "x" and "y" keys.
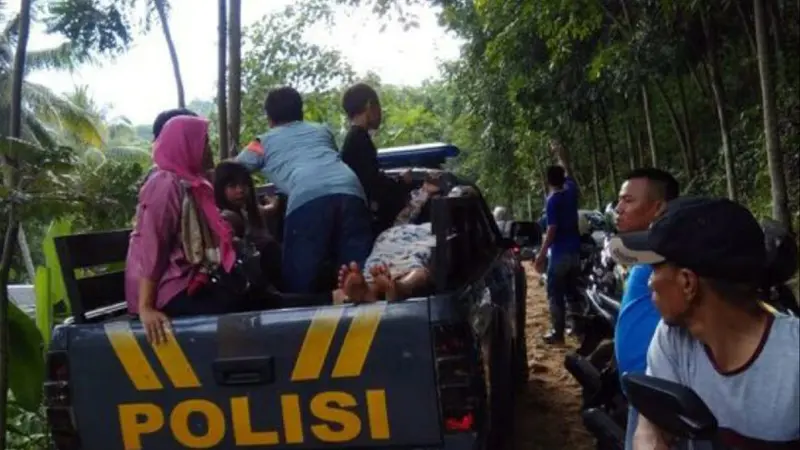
{"x": 437, "y": 371}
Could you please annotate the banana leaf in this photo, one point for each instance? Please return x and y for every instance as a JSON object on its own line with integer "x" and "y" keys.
{"x": 25, "y": 359}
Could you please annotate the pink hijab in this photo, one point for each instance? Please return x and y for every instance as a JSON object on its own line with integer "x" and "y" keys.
{"x": 179, "y": 149}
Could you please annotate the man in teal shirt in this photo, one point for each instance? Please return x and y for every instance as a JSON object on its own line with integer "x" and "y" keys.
{"x": 327, "y": 214}
{"x": 642, "y": 197}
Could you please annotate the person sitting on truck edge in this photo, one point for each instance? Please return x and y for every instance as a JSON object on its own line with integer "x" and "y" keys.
{"x": 642, "y": 197}
{"x": 158, "y": 273}
{"x": 562, "y": 241}
{"x": 398, "y": 264}
{"x": 327, "y": 213}
{"x": 385, "y": 196}
{"x": 709, "y": 259}
{"x": 236, "y": 198}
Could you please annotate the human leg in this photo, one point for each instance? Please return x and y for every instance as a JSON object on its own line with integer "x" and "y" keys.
{"x": 307, "y": 235}
{"x": 354, "y": 230}
{"x": 412, "y": 281}
{"x": 557, "y": 269}
{"x": 630, "y": 428}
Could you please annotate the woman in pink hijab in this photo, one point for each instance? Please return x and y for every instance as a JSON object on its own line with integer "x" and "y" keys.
{"x": 160, "y": 281}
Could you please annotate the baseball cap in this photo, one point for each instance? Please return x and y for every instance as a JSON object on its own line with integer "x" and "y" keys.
{"x": 715, "y": 238}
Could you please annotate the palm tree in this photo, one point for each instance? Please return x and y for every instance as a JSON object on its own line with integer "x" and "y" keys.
{"x": 15, "y": 118}
{"x": 161, "y": 7}
{"x": 43, "y": 112}
{"x": 119, "y": 138}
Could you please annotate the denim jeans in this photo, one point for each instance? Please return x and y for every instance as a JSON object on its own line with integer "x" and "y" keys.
{"x": 335, "y": 228}
{"x": 562, "y": 280}
{"x": 630, "y": 428}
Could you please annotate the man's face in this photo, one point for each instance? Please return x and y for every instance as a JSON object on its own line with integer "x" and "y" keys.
{"x": 673, "y": 292}
{"x": 636, "y": 209}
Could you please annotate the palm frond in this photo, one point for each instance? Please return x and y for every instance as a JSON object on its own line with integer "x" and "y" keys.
{"x": 63, "y": 57}
{"x": 11, "y": 29}
{"x": 55, "y": 109}
{"x": 37, "y": 131}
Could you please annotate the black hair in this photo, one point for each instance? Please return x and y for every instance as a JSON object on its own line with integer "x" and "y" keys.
{"x": 741, "y": 295}
{"x": 357, "y": 97}
{"x": 284, "y": 105}
{"x": 665, "y": 186}
{"x": 229, "y": 173}
{"x": 556, "y": 176}
{"x": 164, "y": 117}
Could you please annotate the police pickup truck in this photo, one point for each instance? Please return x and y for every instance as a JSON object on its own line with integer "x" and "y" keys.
{"x": 433, "y": 372}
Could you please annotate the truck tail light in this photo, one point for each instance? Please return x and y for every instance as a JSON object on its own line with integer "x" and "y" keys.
{"x": 58, "y": 402}
{"x": 460, "y": 377}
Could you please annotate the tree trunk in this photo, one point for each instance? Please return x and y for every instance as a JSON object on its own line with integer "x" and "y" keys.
{"x": 778, "y": 37}
{"x": 640, "y": 145}
{"x": 598, "y": 199}
{"x": 673, "y": 118}
{"x": 609, "y": 150}
{"x": 718, "y": 90}
{"x": 746, "y": 25}
{"x": 650, "y": 135}
{"x": 629, "y": 142}
{"x": 15, "y": 128}
{"x": 780, "y": 201}
{"x": 173, "y": 54}
{"x": 687, "y": 128}
{"x": 235, "y": 74}
{"x": 25, "y": 250}
{"x": 222, "y": 103}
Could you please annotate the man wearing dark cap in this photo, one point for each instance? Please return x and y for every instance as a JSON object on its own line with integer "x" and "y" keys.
{"x": 708, "y": 259}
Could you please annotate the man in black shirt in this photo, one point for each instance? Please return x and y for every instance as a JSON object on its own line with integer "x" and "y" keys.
{"x": 386, "y": 196}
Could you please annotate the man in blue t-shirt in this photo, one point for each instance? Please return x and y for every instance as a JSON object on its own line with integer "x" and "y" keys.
{"x": 642, "y": 198}
{"x": 561, "y": 242}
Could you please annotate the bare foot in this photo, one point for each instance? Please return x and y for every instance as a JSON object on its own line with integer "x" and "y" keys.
{"x": 352, "y": 283}
{"x": 384, "y": 283}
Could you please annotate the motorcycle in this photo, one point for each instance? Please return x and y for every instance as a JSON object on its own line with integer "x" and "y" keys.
{"x": 675, "y": 409}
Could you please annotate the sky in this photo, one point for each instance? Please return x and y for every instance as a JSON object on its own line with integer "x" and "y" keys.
{"x": 139, "y": 84}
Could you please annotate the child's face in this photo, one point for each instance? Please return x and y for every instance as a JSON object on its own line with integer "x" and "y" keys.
{"x": 236, "y": 194}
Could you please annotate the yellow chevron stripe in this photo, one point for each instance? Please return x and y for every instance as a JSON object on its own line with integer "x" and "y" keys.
{"x": 316, "y": 344}
{"x": 175, "y": 364}
{"x": 132, "y": 357}
{"x": 358, "y": 341}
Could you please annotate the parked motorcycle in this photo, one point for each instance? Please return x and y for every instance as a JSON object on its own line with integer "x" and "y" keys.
{"x": 675, "y": 409}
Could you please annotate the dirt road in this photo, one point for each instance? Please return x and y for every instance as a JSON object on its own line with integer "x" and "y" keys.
{"x": 549, "y": 412}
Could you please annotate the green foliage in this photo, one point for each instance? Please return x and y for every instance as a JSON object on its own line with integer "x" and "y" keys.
{"x": 25, "y": 359}
{"x": 277, "y": 53}
{"x": 27, "y": 430}
{"x": 92, "y": 26}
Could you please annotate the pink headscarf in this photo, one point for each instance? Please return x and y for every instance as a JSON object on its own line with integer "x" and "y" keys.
{"x": 179, "y": 149}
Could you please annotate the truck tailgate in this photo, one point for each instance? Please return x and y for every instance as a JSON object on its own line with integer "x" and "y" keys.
{"x": 332, "y": 377}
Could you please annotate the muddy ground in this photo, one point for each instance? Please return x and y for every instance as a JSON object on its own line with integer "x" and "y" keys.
{"x": 548, "y": 414}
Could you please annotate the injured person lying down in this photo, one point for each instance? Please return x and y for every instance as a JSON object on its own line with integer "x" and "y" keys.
{"x": 398, "y": 264}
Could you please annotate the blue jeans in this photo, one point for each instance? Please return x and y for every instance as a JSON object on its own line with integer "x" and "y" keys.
{"x": 562, "y": 280}
{"x": 630, "y": 428}
{"x": 334, "y": 228}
